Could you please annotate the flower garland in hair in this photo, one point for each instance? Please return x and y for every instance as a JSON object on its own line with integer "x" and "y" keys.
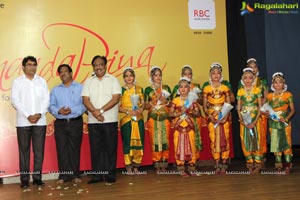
{"x": 186, "y": 66}
{"x": 184, "y": 79}
{"x": 251, "y": 59}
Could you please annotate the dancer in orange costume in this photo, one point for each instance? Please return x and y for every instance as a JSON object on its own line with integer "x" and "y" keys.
{"x": 157, "y": 97}
{"x": 184, "y": 113}
{"x": 187, "y": 72}
{"x": 214, "y": 96}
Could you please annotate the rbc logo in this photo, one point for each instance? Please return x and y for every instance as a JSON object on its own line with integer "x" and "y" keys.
{"x": 201, "y": 13}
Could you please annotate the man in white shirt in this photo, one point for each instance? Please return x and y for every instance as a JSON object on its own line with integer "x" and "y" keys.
{"x": 30, "y": 98}
{"x": 101, "y": 94}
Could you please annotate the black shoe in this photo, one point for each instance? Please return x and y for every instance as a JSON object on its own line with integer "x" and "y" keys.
{"x": 38, "y": 182}
{"x": 24, "y": 184}
{"x": 110, "y": 180}
{"x": 95, "y": 180}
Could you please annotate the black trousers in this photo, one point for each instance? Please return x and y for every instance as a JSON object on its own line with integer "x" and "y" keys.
{"x": 68, "y": 137}
{"x": 103, "y": 144}
{"x": 25, "y": 135}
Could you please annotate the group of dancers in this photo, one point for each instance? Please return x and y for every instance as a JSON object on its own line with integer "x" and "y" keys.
{"x": 185, "y": 109}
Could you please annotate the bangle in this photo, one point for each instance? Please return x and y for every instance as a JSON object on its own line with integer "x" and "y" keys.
{"x": 127, "y": 112}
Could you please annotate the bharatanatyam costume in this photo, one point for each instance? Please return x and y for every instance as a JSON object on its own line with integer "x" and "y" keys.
{"x": 196, "y": 119}
{"x": 262, "y": 84}
{"x": 250, "y": 138}
{"x": 158, "y": 124}
{"x": 185, "y": 142}
{"x": 281, "y": 140}
{"x": 132, "y": 128}
{"x": 219, "y": 135}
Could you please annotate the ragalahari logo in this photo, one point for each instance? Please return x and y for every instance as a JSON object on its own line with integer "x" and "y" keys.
{"x": 246, "y": 8}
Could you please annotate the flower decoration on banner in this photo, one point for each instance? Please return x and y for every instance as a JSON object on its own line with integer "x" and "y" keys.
{"x": 85, "y": 128}
{"x": 50, "y": 128}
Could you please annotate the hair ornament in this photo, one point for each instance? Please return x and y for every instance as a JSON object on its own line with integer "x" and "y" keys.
{"x": 277, "y": 74}
{"x": 251, "y": 59}
{"x": 128, "y": 68}
{"x": 186, "y": 66}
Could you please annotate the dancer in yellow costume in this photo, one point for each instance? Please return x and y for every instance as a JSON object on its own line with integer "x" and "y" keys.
{"x": 131, "y": 121}
{"x": 157, "y": 98}
{"x": 184, "y": 128}
{"x": 249, "y": 101}
{"x": 262, "y": 84}
{"x": 282, "y": 103}
{"x": 187, "y": 72}
{"x": 214, "y": 96}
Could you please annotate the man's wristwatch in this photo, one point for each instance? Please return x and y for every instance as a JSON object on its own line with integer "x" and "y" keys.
{"x": 101, "y": 111}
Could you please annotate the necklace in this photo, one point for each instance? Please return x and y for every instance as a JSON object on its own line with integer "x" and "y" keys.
{"x": 182, "y": 100}
{"x": 276, "y": 98}
{"x": 249, "y": 93}
{"x": 128, "y": 89}
{"x": 216, "y": 93}
{"x": 157, "y": 89}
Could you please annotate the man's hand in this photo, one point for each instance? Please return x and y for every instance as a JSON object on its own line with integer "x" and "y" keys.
{"x": 34, "y": 118}
{"x": 100, "y": 118}
{"x": 64, "y": 111}
{"x": 96, "y": 113}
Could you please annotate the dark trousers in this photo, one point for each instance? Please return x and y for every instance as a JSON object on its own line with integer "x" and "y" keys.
{"x": 103, "y": 143}
{"x": 68, "y": 137}
{"x": 25, "y": 135}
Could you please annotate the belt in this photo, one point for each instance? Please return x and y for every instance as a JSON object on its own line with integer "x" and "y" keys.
{"x": 249, "y": 108}
{"x": 217, "y": 108}
{"x": 70, "y": 119}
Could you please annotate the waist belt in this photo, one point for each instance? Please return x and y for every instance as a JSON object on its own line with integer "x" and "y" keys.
{"x": 249, "y": 108}
{"x": 216, "y": 108}
{"x": 70, "y": 119}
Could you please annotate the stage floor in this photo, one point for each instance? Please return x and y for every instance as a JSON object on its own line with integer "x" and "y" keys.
{"x": 237, "y": 184}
